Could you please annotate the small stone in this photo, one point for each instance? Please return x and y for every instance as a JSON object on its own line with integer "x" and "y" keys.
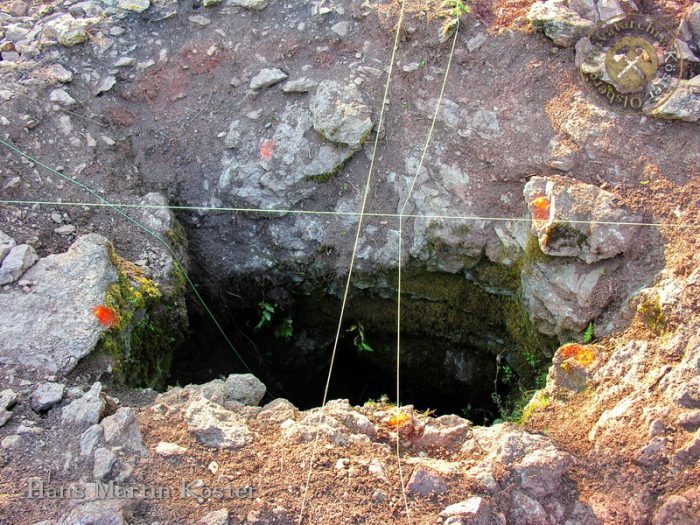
{"x": 216, "y": 427}
{"x": 379, "y": 496}
{"x": 67, "y": 30}
{"x": 122, "y": 429}
{"x": 425, "y": 483}
{"x": 105, "y": 85}
{"x": 104, "y": 461}
{"x": 210, "y": 3}
{"x": 476, "y": 42}
{"x": 245, "y": 389}
{"x": 13, "y": 183}
{"x": 690, "y": 421}
{"x": 267, "y": 77}
{"x": 56, "y": 217}
{"x": 474, "y": 510}
{"x": 137, "y": 6}
{"x": 217, "y": 517}
{"x": 301, "y": 85}
{"x": 65, "y": 230}
{"x": 341, "y": 28}
{"x": 377, "y": 469}
{"x": 5, "y": 416}
{"x": 167, "y": 450}
{"x": 117, "y": 31}
{"x": 125, "y": 62}
{"x": 199, "y": 20}
{"x": 145, "y": 64}
{"x": 86, "y": 410}
{"x": 8, "y": 398}
{"x": 254, "y": 115}
{"x": 62, "y": 98}
{"x": 18, "y": 261}
{"x": 46, "y": 396}
{"x": 10, "y": 56}
{"x": 235, "y": 82}
{"x": 11, "y": 441}
{"x": 256, "y": 5}
{"x": 690, "y": 452}
{"x": 57, "y": 73}
{"x": 6, "y": 245}
{"x": 18, "y": 8}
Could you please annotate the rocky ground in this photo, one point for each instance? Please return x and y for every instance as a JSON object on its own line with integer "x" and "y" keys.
{"x": 273, "y": 104}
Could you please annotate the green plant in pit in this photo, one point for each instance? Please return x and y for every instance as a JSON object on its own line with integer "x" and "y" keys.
{"x": 531, "y": 359}
{"x": 267, "y": 311}
{"x": 451, "y": 10}
{"x": 541, "y": 379}
{"x": 507, "y": 374}
{"x": 588, "y": 333}
{"x": 359, "y": 341}
{"x": 284, "y": 330}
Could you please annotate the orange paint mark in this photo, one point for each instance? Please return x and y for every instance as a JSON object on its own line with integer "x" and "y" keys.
{"x": 540, "y": 209}
{"x": 106, "y": 316}
{"x": 582, "y": 354}
{"x": 267, "y": 148}
{"x": 398, "y": 420}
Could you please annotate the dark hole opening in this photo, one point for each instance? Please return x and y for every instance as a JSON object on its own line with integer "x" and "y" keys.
{"x": 436, "y": 374}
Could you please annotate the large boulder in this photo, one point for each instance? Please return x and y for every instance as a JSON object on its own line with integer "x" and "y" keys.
{"x": 580, "y": 220}
{"x": 66, "y": 288}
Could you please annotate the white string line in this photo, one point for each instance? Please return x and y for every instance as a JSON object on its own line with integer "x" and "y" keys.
{"x": 339, "y": 213}
{"x": 352, "y": 258}
{"x": 142, "y": 226}
{"x": 400, "y": 262}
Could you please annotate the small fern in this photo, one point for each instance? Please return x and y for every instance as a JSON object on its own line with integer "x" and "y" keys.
{"x": 588, "y": 333}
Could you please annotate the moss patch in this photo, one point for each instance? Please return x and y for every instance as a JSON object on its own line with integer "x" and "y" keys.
{"x": 151, "y": 323}
{"x": 652, "y": 313}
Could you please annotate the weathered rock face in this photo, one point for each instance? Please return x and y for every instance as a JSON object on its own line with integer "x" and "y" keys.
{"x": 68, "y": 286}
{"x": 284, "y": 168}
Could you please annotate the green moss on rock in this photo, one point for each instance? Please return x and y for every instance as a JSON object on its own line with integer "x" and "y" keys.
{"x": 151, "y": 322}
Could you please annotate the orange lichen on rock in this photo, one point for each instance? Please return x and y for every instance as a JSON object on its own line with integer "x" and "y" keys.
{"x": 582, "y": 354}
{"x": 398, "y": 420}
{"x": 267, "y": 148}
{"x": 106, "y": 316}
{"x": 539, "y": 208}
